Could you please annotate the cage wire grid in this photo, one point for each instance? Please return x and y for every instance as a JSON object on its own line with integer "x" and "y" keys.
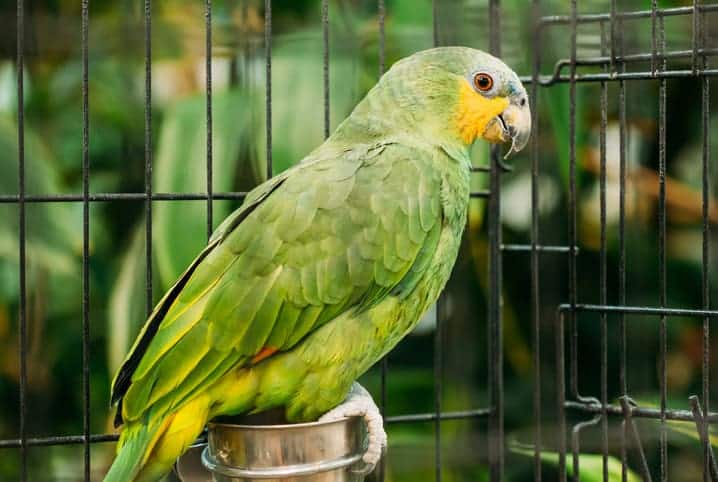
{"x": 613, "y": 63}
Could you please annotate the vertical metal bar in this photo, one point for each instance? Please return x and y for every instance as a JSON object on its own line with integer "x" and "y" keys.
{"x": 711, "y": 472}
{"x": 245, "y": 44}
{"x": 268, "y": 81}
{"x": 628, "y": 420}
{"x": 603, "y": 266}
{"x": 705, "y": 258}
{"x": 496, "y": 446}
{"x": 438, "y": 357}
{"x": 496, "y": 389}
{"x": 381, "y": 18}
{"x": 86, "y": 238}
{"x": 622, "y": 349}
{"x": 148, "y": 154}
{"x": 695, "y": 31}
{"x": 572, "y": 239}
{"x": 495, "y": 27}
{"x": 575, "y": 444}
{"x": 662, "y": 251}
{"x": 208, "y": 94}
{"x": 622, "y": 121}
{"x": 382, "y": 36}
{"x": 654, "y": 36}
{"x": 702, "y": 429}
{"x": 435, "y": 22}
{"x": 535, "y": 277}
{"x": 613, "y": 24}
{"x": 22, "y": 322}
{"x": 560, "y": 395}
{"x": 572, "y": 295}
{"x": 325, "y": 34}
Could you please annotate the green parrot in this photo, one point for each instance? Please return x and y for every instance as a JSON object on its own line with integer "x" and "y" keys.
{"x": 324, "y": 268}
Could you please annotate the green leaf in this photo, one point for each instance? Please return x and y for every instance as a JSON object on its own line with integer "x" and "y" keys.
{"x": 53, "y": 229}
{"x": 298, "y": 96}
{"x": 181, "y": 165}
{"x": 591, "y": 465}
{"x": 126, "y": 308}
{"x": 688, "y": 429}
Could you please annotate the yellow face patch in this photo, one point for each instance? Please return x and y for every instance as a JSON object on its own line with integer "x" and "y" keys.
{"x": 474, "y": 112}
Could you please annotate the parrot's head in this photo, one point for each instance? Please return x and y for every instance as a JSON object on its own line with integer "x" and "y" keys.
{"x": 456, "y": 93}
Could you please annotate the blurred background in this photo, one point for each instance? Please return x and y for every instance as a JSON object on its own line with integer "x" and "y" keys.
{"x": 118, "y": 303}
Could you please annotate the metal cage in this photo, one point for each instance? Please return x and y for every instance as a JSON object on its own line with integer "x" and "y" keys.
{"x": 573, "y": 411}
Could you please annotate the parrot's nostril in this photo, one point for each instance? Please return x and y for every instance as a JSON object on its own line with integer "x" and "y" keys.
{"x": 523, "y": 101}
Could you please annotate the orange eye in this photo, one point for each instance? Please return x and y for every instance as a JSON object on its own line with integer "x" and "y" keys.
{"x": 483, "y": 82}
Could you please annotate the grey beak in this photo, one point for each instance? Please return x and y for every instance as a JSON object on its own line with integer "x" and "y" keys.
{"x": 516, "y": 123}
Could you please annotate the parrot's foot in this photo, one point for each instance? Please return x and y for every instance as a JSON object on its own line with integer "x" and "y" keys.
{"x": 359, "y": 403}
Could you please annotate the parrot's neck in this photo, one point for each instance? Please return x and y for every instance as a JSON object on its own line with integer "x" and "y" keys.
{"x": 389, "y": 110}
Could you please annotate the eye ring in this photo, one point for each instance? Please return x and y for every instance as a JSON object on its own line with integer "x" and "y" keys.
{"x": 483, "y": 82}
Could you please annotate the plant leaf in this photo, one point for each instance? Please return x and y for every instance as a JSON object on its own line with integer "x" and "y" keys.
{"x": 591, "y": 465}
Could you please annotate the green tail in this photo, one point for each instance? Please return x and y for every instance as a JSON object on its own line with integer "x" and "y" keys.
{"x": 131, "y": 451}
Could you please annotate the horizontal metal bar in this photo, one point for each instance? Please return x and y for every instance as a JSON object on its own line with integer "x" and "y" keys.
{"x": 429, "y": 417}
{"x": 642, "y": 57}
{"x": 639, "y": 310}
{"x": 604, "y": 17}
{"x": 548, "y": 80}
{"x": 481, "y": 194}
{"x": 79, "y": 439}
{"x": 504, "y": 168}
{"x": 642, "y": 412}
{"x": 526, "y": 248}
{"x": 613, "y": 76}
{"x": 61, "y": 440}
{"x": 122, "y": 196}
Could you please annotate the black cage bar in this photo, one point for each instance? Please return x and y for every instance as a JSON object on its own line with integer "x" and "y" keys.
{"x": 592, "y": 410}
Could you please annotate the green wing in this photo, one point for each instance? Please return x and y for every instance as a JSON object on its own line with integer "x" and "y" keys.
{"x": 337, "y": 233}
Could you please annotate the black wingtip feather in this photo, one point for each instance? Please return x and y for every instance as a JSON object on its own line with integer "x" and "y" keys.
{"x": 124, "y": 376}
{"x": 118, "y": 415}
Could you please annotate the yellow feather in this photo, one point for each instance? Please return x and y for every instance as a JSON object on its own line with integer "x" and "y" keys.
{"x": 177, "y": 432}
{"x": 475, "y": 111}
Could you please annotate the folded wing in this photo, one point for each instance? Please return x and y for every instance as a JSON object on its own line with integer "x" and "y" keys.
{"x": 332, "y": 234}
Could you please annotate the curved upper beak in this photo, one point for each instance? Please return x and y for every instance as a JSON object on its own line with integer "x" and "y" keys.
{"x": 515, "y": 122}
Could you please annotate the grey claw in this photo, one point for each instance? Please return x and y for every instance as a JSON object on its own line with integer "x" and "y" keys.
{"x": 364, "y": 468}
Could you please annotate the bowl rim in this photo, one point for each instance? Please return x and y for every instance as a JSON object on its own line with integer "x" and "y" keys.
{"x": 282, "y": 426}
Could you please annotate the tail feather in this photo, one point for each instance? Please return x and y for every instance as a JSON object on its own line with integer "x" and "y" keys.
{"x": 146, "y": 453}
{"x": 134, "y": 443}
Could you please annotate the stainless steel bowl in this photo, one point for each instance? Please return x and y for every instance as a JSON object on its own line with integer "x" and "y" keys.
{"x": 189, "y": 468}
{"x": 305, "y": 452}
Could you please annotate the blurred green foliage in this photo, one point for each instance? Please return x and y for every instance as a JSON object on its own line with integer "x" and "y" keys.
{"x": 118, "y": 291}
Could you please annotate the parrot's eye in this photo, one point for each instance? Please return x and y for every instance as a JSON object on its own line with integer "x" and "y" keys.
{"x": 483, "y": 82}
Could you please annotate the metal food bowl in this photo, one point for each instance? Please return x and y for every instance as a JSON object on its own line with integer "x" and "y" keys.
{"x": 304, "y": 452}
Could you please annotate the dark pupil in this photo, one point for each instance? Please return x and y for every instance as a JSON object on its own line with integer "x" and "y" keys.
{"x": 484, "y": 82}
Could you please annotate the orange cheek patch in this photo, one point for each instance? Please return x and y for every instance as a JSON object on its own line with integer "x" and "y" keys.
{"x": 474, "y": 112}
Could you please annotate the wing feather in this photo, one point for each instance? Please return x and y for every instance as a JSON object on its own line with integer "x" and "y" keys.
{"x": 331, "y": 235}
